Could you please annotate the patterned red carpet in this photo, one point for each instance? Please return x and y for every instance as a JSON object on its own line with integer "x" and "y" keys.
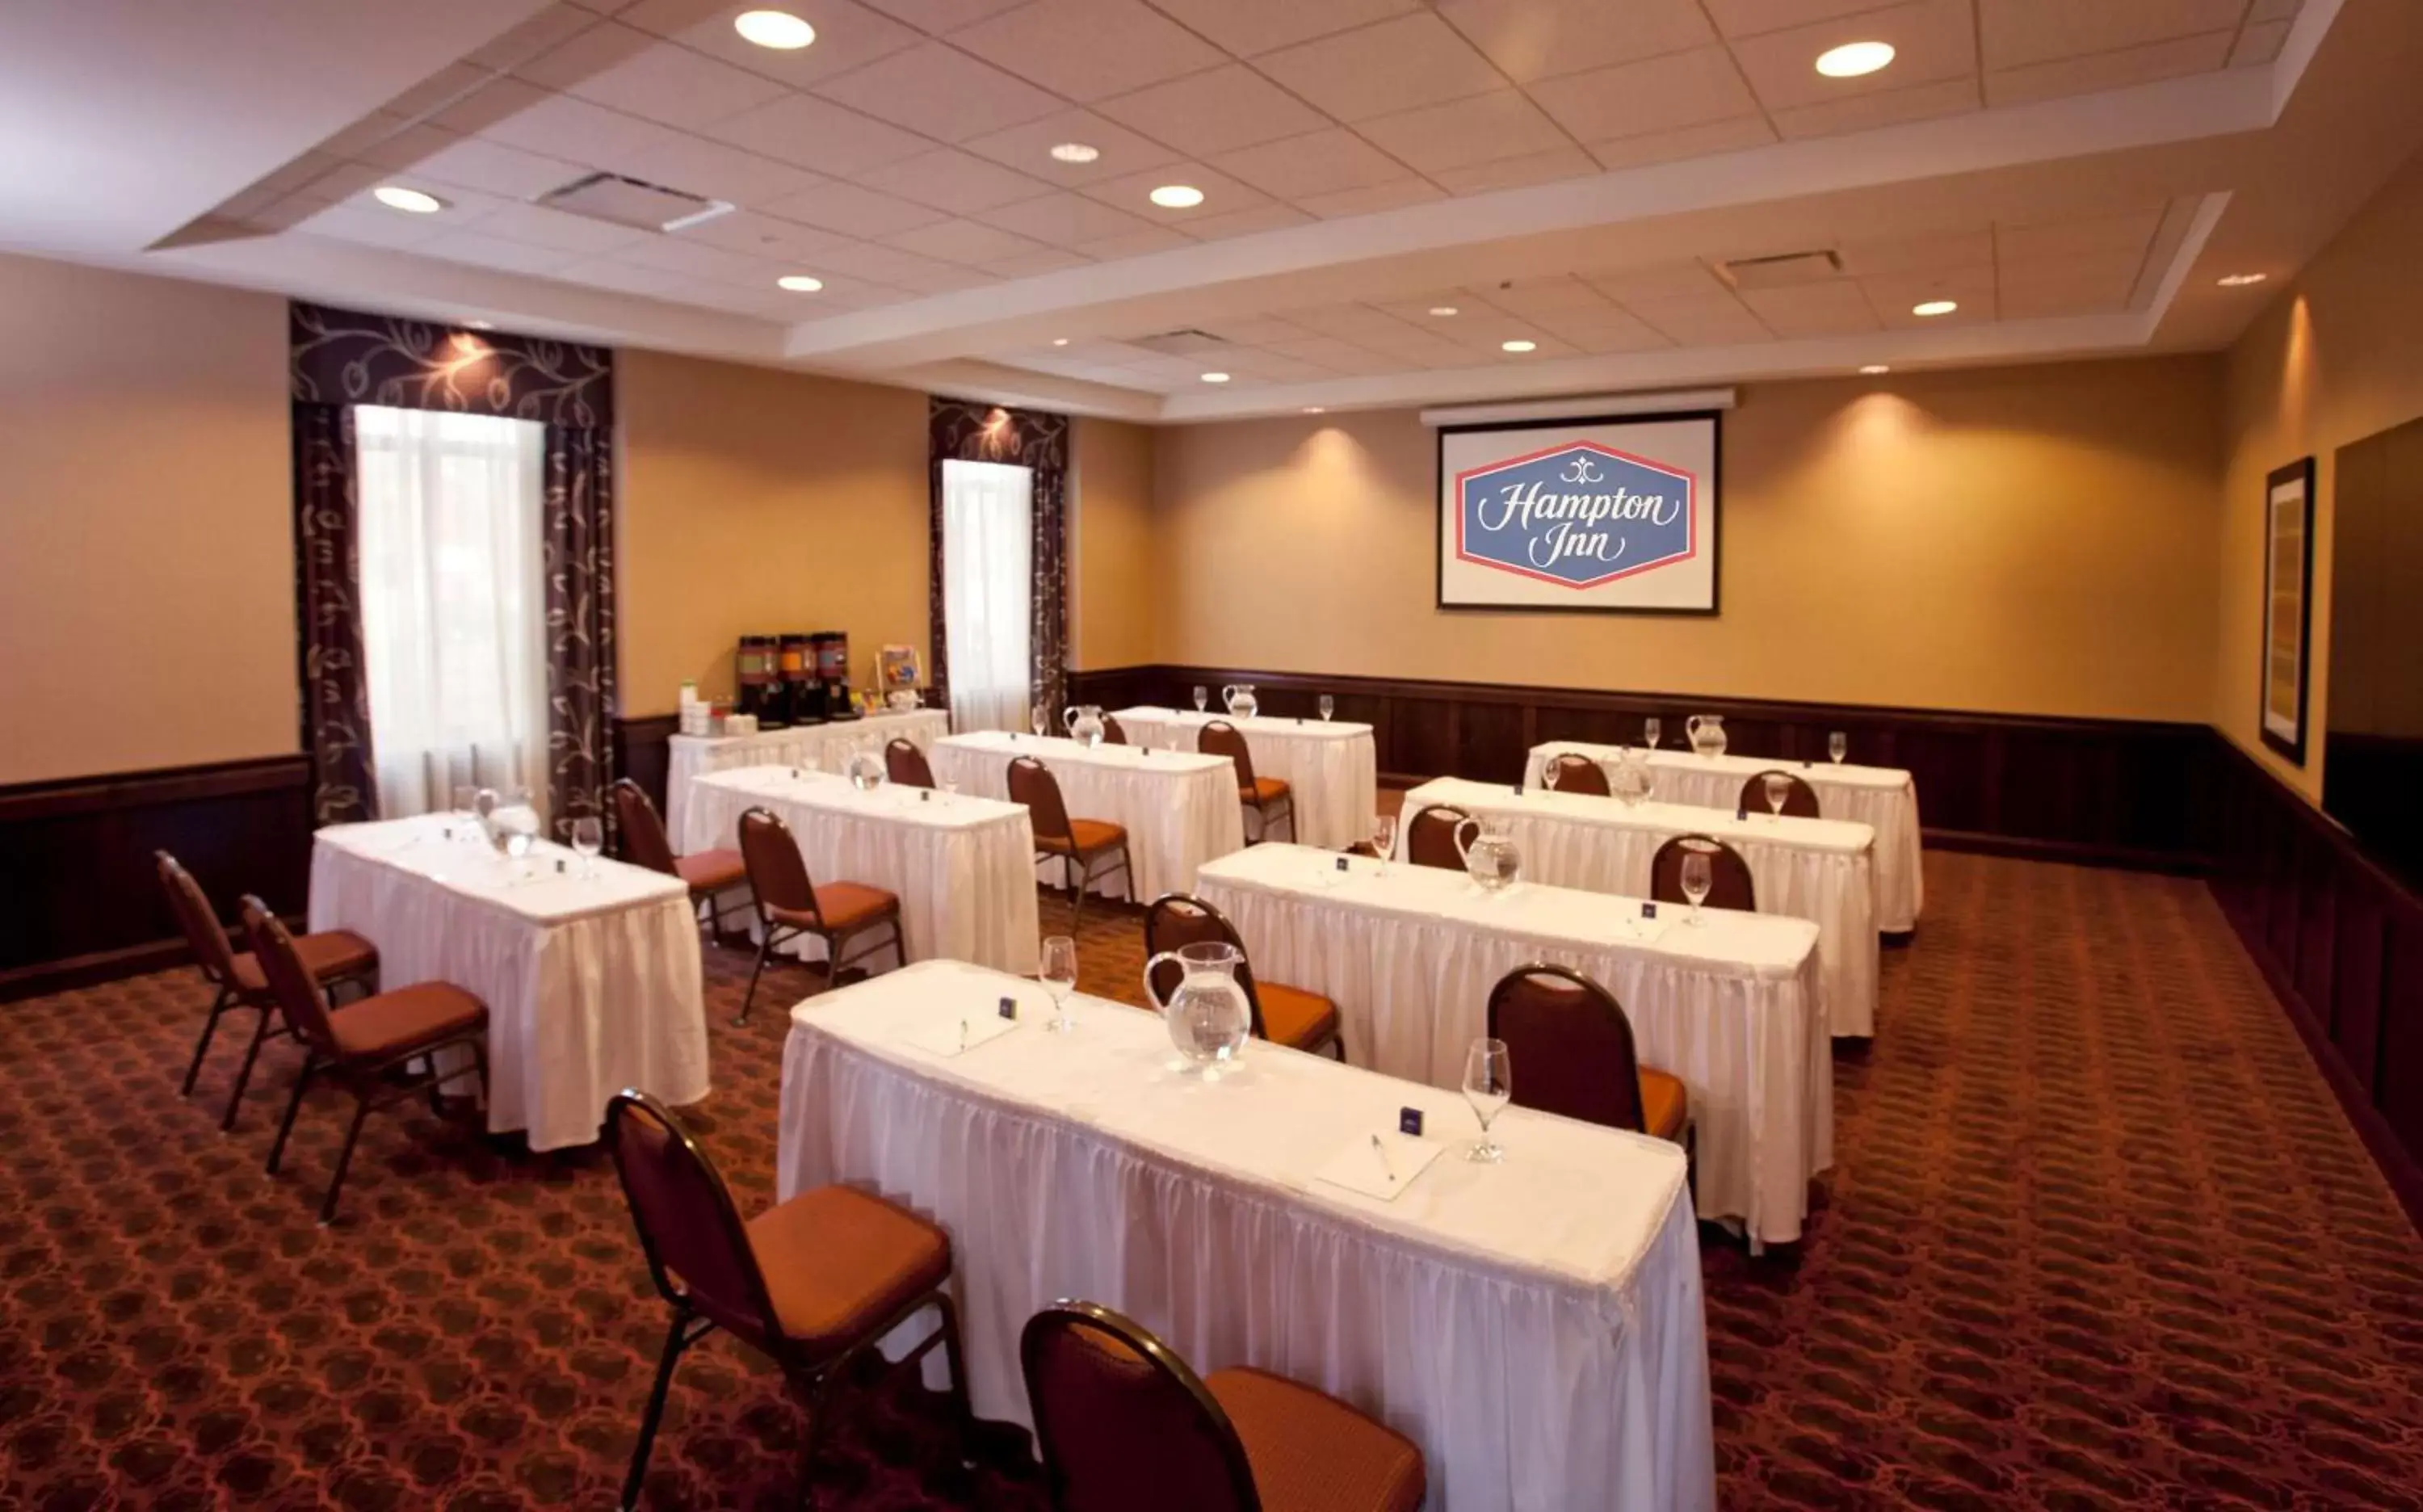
{"x": 2098, "y": 1237}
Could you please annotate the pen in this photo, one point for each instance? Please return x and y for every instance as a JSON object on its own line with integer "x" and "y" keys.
{"x": 1382, "y": 1151}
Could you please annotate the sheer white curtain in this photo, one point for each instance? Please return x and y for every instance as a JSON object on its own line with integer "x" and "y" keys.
{"x": 454, "y": 606}
{"x": 988, "y": 554}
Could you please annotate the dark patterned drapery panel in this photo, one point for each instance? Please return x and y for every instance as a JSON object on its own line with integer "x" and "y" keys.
{"x": 579, "y": 565}
{"x": 327, "y": 579}
{"x": 343, "y": 357}
{"x": 961, "y": 430}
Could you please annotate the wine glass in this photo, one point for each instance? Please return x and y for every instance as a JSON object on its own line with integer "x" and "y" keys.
{"x": 1779, "y": 787}
{"x": 1202, "y": 696}
{"x": 1328, "y": 706}
{"x": 1838, "y": 745}
{"x": 1650, "y": 730}
{"x": 1699, "y": 877}
{"x": 1039, "y": 719}
{"x": 1384, "y": 837}
{"x": 950, "y": 788}
{"x": 587, "y": 839}
{"x": 1059, "y": 974}
{"x": 1488, "y": 1085}
{"x": 1548, "y": 773}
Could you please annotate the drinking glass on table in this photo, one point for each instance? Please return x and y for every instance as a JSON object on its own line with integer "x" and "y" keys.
{"x": 588, "y": 840}
{"x": 1699, "y": 877}
{"x": 1838, "y": 745}
{"x": 1328, "y": 706}
{"x": 1040, "y": 718}
{"x": 1058, "y": 973}
{"x": 1202, "y": 696}
{"x": 1384, "y": 837}
{"x": 1488, "y": 1085}
{"x": 1779, "y": 787}
{"x": 1651, "y": 728}
{"x": 1548, "y": 773}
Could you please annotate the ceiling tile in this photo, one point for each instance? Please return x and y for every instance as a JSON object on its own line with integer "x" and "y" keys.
{"x": 963, "y": 241}
{"x": 492, "y": 102}
{"x": 2125, "y": 234}
{"x": 1328, "y": 351}
{"x": 1836, "y": 308}
{"x": 1245, "y": 222}
{"x": 677, "y": 253}
{"x": 365, "y": 134}
{"x": 1706, "y": 320}
{"x": 608, "y": 272}
{"x": 1919, "y": 254}
{"x": 1539, "y": 38}
{"x": 1395, "y": 65}
{"x": 2260, "y": 43}
{"x": 885, "y": 265}
{"x": 1933, "y": 41}
{"x": 719, "y": 171}
{"x": 1028, "y": 146}
{"x": 474, "y": 163}
{"x": 1221, "y": 194}
{"x": 1748, "y": 17}
{"x": 1087, "y": 50}
{"x": 1892, "y": 298}
{"x": 852, "y": 210}
{"x": 1667, "y": 280}
{"x": 1371, "y": 201}
{"x": 1625, "y": 334}
{"x": 1320, "y": 163}
{"x": 1217, "y": 111}
{"x": 576, "y": 130}
{"x": 1036, "y": 263}
{"x": 2109, "y": 70}
{"x": 478, "y": 246}
{"x": 1136, "y": 244}
{"x": 353, "y": 220}
{"x": 541, "y": 227}
{"x": 1739, "y": 135}
{"x": 939, "y": 277}
{"x": 2018, "y": 32}
{"x": 1514, "y": 172}
{"x": 440, "y": 91}
{"x": 938, "y": 16}
{"x": 759, "y": 235}
{"x": 627, "y": 69}
{"x": 809, "y": 133}
{"x": 2273, "y": 10}
{"x": 1350, "y": 321}
{"x": 1663, "y": 93}
{"x": 1868, "y": 112}
{"x": 940, "y": 91}
{"x": 346, "y": 179}
{"x": 1482, "y": 128}
{"x": 1541, "y": 297}
{"x": 953, "y": 181}
{"x": 407, "y": 148}
{"x": 1248, "y": 28}
{"x": 849, "y": 36}
{"x": 1064, "y": 219}
{"x": 548, "y": 30}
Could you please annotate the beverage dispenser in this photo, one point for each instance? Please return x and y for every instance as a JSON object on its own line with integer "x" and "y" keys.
{"x": 833, "y": 673}
{"x": 754, "y": 672}
{"x": 800, "y": 704}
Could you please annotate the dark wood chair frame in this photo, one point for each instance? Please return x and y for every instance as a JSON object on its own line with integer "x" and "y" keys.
{"x": 906, "y": 765}
{"x": 1605, "y": 1001}
{"x": 1073, "y": 861}
{"x": 713, "y": 908}
{"x": 1435, "y": 816}
{"x": 1171, "y": 904}
{"x": 1244, "y": 757}
{"x": 772, "y": 935}
{"x": 1800, "y": 800}
{"x": 1664, "y": 880}
{"x": 1068, "y": 1313}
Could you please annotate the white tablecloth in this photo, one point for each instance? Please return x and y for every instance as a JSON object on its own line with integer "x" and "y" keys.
{"x": 1332, "y": 767}
{"x": 964, "y": 866}
{"x": 1536, "y": 1327}
{"x": 593, "y": 982}
{"x": 1180, "y": 809}
{"x": 1885, "y": 798}
{"x": 1732, "y": 1007}
{"x": 1813, "y": 869}
{"x": 827, "y": 745}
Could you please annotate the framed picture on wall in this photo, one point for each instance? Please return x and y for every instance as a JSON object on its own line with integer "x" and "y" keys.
{"x": 2288, "y": 604}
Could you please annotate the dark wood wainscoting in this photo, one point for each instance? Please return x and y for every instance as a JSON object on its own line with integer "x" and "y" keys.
{"x": 88, "y": 906}
{"x": 641, "y": 755}
{"x": 2120, "y": 791}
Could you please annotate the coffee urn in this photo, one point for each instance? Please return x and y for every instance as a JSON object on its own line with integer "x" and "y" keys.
{"x": 753, "y": 666}
{"x": 801, "y": 705}
{"x": 831, "y": 649}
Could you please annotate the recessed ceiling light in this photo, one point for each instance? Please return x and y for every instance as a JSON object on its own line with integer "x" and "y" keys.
{"x": 1852, "y": 59}
{"x": 1176, "y": 197}
{"x": 1215, "y": 378}
{"x": 2239, "y": 280}
{"x": 1315, "y": 410}
{"x": 1518, "y": 346}
{"x": 1059, "y": 341}
{"x": 1443, "y": 310}
{"x": 413, "y": 201}
{"x": 1935, "y": 307}
{"x": 1076, "y": 152}
{"x": 480, "y": 325}
{"x": 777, "y": 29}
{"x": 1875, "y": 368}
{"x": 798, "y": 283}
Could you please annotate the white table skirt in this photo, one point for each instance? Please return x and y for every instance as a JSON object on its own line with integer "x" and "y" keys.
{"x": 1179, "y": 809}
{"x": 1537, "y": 1327}
{"x": 1732, "y": 1007}
{"x": 1885, "y": 798}
{"x": 964, "y": 866}
{"x": 593, "y": 984}
{"x": 827, "y": 745}
{"x": 1819, "y": 869}
{"x": 1331, "y": 767}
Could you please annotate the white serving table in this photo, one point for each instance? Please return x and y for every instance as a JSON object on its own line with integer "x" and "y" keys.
{"x": 1331, "y": 767}
{"x": 1409, "y": 954}
{"x": 1814, "y": 869}
{"x": 964, "y": 866}
{"x": 1537, "y": 1327}
{"x": 1180, "y": 809}
{"x": 593, "y": 981}
{"x": 1885, "y": 798}
{"x": 827, "y": 745}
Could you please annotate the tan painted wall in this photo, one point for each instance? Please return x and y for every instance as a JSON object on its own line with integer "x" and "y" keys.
{"x": 1114, "y": 576}
{"x": 2035, "y": 540}
{"x": 754, "y": 499}
{"x": 147, "y": 588}
{"x": 2333, "y": 360}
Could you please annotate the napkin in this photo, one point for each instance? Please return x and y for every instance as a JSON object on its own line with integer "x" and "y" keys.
{"x": 942, "y": 1037}
{"x": 1358, "y": 1169}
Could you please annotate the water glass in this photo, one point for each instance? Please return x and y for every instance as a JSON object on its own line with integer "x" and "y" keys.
{"x": 1040, "y": 718}
{"x": 465, "y": 794}
{"x": 1651, "y": 728}
{"x": 588, "y": 839}
{"x": 1058, "y": 973}
{"x": 1699, "y": 878}
{"x": 1488, "y": 1085}
{"x": 1384, "y": 837}
{"x": 1548, "y": 773}
{"x": 1779, "y": 787}
{"x": 1202, "y": 696}
{"x": 1838, "y": 745}
{"x": 1328, "y": 706}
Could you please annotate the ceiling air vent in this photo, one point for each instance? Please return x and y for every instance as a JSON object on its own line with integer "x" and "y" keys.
{"x": 1790, "y": 270}
{"x": 633, "y": 202}
{"x": 1188, "y": 343}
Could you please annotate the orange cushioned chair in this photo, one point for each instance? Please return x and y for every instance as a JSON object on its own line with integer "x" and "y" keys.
{"x": 790, "y": 906}
{"x": 1430, "y": 837}
{"x": 1283, "y": 1015}
{"x": 1730, "y": 885}
{"x": 905, "y": 764}
{"x": 1268, "y": 797}
{"x": 366, "y": 1048}
{"x": 333, "y": 957}
{"x": 813, "y": 1282}
{"x": 1125, "y": 1424}
{"x": 713, "y": 876}
{"x": 1578, "y": 775}
{"x": 1086, "y": 848}
{"x": 1573, "y": 1045}
{"x": 1799, "y": 799}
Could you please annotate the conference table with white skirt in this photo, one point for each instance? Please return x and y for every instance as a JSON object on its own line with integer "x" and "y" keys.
{"x": 963, "y": 866}
{"x": 1732, "y": 1006}
{"x": 825, "y": 746}
{"x": 1536, "y": 1327}
{"x": 592, "y": 977}
{"x": 1331, "y": 767}
{"x": 1885, "y": 798}
{"x": 1180, "y": 809}
{"x": 1821, "y": 870}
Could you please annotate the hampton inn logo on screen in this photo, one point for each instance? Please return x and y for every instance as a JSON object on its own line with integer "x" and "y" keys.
{"x": 1579, "y": 515}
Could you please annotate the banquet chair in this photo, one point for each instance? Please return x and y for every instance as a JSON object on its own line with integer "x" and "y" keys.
{"x": 1730, "y": 882}
{"x": 1124, "y": 1422}
{"x": 1283, "y": 1015}
{"x": 711, "y": 875}
{"x": 335, "y": 958}
{"x": 1430, "y": 837}
{"x": 1578, "y": 775}
{"x": 1113, "y": 733}
{"x": 789, "y": 906}
{"x": 367, "y": 1047}
{"x": 1799, "y": 799}
{"x": 813, "y": 1282}
{"x": 1268, "y": 797}
{"x": 905, "y": 764}
{"x": 1085, "y": 847}
{"x": 1574, "y": 1043}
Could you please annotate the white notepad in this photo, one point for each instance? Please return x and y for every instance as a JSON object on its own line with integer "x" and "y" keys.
{"x": 946, "y": 1037}
{"x": 1381, "y": 1172}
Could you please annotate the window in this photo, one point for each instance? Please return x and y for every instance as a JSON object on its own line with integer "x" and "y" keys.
{"x": 454, "y": 605}
{"x": 988, "y": 546}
